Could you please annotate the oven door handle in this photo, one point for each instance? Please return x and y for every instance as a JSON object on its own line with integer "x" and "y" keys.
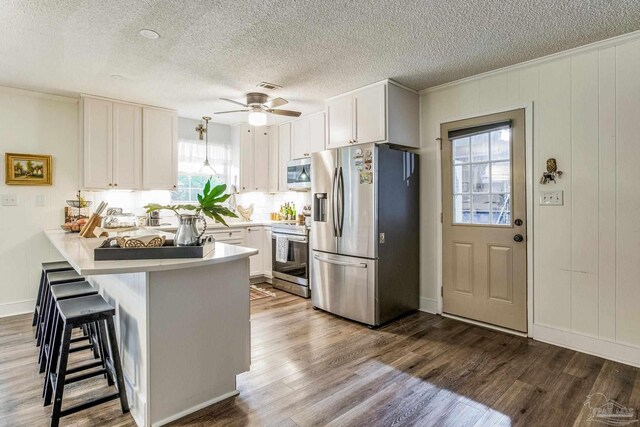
{"x": 336, "y": 262}
{"x": 292, "y": 239}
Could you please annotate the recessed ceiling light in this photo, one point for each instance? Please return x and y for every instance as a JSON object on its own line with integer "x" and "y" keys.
{"x": 116, "y": 77}
{"x": 150, "y": 34}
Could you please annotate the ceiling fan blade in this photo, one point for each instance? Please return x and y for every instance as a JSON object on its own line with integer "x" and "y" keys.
{"x": 232, "y": 111}
{"x": 277, "y": 102}
{"x": 285, "y": 112}
{"x": 235, "y": 102}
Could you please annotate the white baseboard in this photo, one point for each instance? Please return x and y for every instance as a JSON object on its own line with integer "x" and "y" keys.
{"x": 606, "y": 349}
{"x": 428, "y": 305}
{"x": 18, "y": 307}
{"x": 195, "y": 408}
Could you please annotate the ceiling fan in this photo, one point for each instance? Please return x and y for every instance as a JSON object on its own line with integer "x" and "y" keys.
{"x": 257, "y": 105}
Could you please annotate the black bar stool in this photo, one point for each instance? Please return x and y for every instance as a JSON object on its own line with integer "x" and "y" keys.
{"x": 59, "y": 293}
{"x": 75, "y": 312}
{"x": 47, "y": 267}
{"x": 52, "y": 279}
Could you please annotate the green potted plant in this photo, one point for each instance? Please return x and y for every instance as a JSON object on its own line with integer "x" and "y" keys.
{"x": 209, "y": 204}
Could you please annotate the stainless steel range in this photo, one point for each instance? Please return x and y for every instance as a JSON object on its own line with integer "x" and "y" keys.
{"x": 290, "y": 258}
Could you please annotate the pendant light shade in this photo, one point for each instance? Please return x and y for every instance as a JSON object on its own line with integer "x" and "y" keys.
{"x": 206, "y": 168}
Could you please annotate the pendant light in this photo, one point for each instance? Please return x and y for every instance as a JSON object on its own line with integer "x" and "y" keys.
{"x": 206, "y": 168}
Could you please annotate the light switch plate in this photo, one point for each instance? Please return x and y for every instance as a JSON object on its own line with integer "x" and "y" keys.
{"x": 552, "y": 198}
{"x": 9, "y": 200}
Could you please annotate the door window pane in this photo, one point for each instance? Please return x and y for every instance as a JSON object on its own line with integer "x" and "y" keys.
{"x": 501, "y": 209}
{"x": 501, "y": 144}
{"x": 481, "y": 209}
{"x": 461, "y": 179}
{"x": 480, "y": 147}
{"x": 461, "y": 150}
{"x": 500, "y": 177}
{"x": 462, "y": 209}
{"x": 481, "y": 178}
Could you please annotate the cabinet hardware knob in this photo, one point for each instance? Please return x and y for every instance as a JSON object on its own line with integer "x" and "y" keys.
{"x": 109, "y": 184}
{"x": 115, "y": 185}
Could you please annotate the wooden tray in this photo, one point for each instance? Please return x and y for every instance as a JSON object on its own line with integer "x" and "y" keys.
{"x": 168, "y": 251}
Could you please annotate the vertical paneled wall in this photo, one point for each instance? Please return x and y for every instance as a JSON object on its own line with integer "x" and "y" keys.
{"x": 587, "y": 116}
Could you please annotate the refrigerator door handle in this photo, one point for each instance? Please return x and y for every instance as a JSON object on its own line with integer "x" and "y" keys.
{"x": 336, "y": 262}
{"x": 334, "y": 204}
{"x": 341, "y": 206}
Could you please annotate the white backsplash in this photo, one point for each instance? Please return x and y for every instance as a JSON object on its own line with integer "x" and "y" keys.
{"x": 134, "y": 201}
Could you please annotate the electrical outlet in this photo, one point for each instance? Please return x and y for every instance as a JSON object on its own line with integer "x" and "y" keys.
{"x": 9, "y": 200}
{"x": 552, "y": 198}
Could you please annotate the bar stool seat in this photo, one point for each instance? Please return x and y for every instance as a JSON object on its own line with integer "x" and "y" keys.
{"x": 74, "y": 312}
{"x": 52, "y": 279}
{"x": 47, "y": 267}
{"x": 60, "y": 292}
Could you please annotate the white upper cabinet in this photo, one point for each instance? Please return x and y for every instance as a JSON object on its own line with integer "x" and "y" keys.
{"x": 284, "y": 142}
{"x": 341, "y": 121}
{"x": 300, "y": 138}
{"x": 384, "y": 112}
{"x": 261, "y": 159}
{"x": 370, "y": 112}
{"x": 246, "y": 159}
{"x": 274, "y": 153}
{"x": 307, "y": 135}
{"x": 127, "y": 146}
{"x": 97, "y": 132}
{"x": 317, "y": 133}
{"x": 159, "y": 149}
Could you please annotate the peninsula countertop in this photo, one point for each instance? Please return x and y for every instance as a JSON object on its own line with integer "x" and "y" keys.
{"x": 78, "y": 251}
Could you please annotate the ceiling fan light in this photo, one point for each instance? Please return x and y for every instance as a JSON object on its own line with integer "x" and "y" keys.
{"x": 257, "y": 118}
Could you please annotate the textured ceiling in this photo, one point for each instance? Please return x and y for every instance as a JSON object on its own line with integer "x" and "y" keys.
{"x": 315, "y": 49}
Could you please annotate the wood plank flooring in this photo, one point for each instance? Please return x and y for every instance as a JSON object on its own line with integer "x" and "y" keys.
{"x": 311, "y": 369}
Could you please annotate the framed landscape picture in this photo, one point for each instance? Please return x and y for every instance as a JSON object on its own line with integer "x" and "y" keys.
{"x": 27, "y": 169}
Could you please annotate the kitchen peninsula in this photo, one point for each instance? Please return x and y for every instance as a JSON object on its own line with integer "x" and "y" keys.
{"x": 183, "y": 324}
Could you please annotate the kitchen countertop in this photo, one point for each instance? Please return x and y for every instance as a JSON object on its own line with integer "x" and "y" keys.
{"x": 78, "y": 251}
{"x": 232, "y": 224}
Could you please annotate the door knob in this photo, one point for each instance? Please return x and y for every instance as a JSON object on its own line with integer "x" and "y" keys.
{"x": 518, "y": 238}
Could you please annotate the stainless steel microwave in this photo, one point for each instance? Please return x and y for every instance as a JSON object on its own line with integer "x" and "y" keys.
{"x": 299, "y": 175}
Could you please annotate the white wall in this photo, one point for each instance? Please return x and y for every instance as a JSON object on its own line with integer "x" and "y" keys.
{"x": 587, "y": 252}
{"x": 32, "y": 122}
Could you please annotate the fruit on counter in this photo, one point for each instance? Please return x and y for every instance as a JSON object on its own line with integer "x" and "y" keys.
{"x": 81, "y": 222}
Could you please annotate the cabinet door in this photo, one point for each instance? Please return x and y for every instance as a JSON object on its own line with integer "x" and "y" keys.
{"x": 97, "y": 143}
{"x": 274, "y": 164}
{"x": 284, "y": 139}
{"x": 254, "y": 241}
{"x": 159, "y": 149}
{"x": 316, "y": 133}
{"x": 267, "y": 252}
{"x": 127, "y": 146}
{"x": 340, "y": 121}
{"x": 261, "y": 159}
{"x": 370, "y": 106}
{"x": 300, "y": 139}
{"x": 246, "y": 159}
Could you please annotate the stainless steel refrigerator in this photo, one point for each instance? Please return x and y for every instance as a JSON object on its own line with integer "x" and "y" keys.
{"x": 365, "y": 232}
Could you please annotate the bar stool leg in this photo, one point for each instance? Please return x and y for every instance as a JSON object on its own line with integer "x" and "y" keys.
{"x": 38, "y": 307}
{"x": 115, "y": 354}
{"x": 51, "y": 361}
{"x": 61, "y": 372}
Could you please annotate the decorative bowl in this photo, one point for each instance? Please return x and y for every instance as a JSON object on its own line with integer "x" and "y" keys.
{"x": 79, "y": 203}
{"x": 148, "y": 241}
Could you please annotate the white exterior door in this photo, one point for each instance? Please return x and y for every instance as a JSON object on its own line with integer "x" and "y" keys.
{"x": 484, "y": 219}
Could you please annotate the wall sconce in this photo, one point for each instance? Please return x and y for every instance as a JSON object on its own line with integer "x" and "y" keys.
{"x": 551, "y": 173}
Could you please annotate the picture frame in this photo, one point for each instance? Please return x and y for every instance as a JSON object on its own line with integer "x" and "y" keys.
{"x": 27, "y": 169}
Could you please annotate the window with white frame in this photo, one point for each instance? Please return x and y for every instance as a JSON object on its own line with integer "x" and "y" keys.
{"x": 191, "y": 155}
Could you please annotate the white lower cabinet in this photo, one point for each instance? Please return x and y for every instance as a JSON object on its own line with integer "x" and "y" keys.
{"x": 258, "y": 237}
{"x": 254, "y": 240}
{"x": 267, "y": 252}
